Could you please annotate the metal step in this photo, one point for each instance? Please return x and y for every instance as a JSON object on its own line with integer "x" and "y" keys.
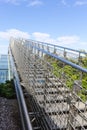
{"x": 61, "y": 121}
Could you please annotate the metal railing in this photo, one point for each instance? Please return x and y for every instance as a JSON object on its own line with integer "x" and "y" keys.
{"x": 55, "y": 90}
{"x": 64, "y": 52}
{"x": 26, "y": 124}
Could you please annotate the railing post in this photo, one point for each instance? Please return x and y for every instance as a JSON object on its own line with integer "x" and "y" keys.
{"x": 72, "y": 114}
{"x": 65, "y": 53}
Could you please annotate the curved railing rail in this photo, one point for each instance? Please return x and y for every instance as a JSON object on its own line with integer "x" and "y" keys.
{"x": 26, "y": 124}
{"x": 67, "y": 53}
{"x": 57, "y": 46}
{"x": 61, "y": 59}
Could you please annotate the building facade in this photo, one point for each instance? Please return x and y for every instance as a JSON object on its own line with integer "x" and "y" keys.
{"x": 4, "y": 72}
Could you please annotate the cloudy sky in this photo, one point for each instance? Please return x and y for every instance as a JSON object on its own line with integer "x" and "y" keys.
{"x": 62, "y": 22}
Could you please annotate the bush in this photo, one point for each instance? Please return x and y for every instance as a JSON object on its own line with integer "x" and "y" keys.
{"x": 7, "y": 89}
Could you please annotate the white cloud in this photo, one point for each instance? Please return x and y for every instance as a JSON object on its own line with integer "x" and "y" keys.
{"x": 80, "y": 3}
{"x": 15, "y": 2}
{"x": 44, "y": 37}
{"x": 74, "y": 3}
{"x": 40, "y": 36}
{"x": 63, "y": 40}
{"x": 28, "y": 2}
{"x": 68, "y": 39}
{"x": 13, "y": 33}
{"x": 83, "y": 43}
{"x": 35, "y": 3}
{"x": 5, "y": 36}
{"x": 63, "y": 2}
{"x": 71, "y": 41}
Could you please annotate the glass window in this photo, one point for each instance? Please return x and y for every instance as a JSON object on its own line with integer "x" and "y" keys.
{"x": 3, "y": 68}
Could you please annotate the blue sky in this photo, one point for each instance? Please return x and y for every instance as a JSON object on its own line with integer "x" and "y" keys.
{"x": 61, "y": 22}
